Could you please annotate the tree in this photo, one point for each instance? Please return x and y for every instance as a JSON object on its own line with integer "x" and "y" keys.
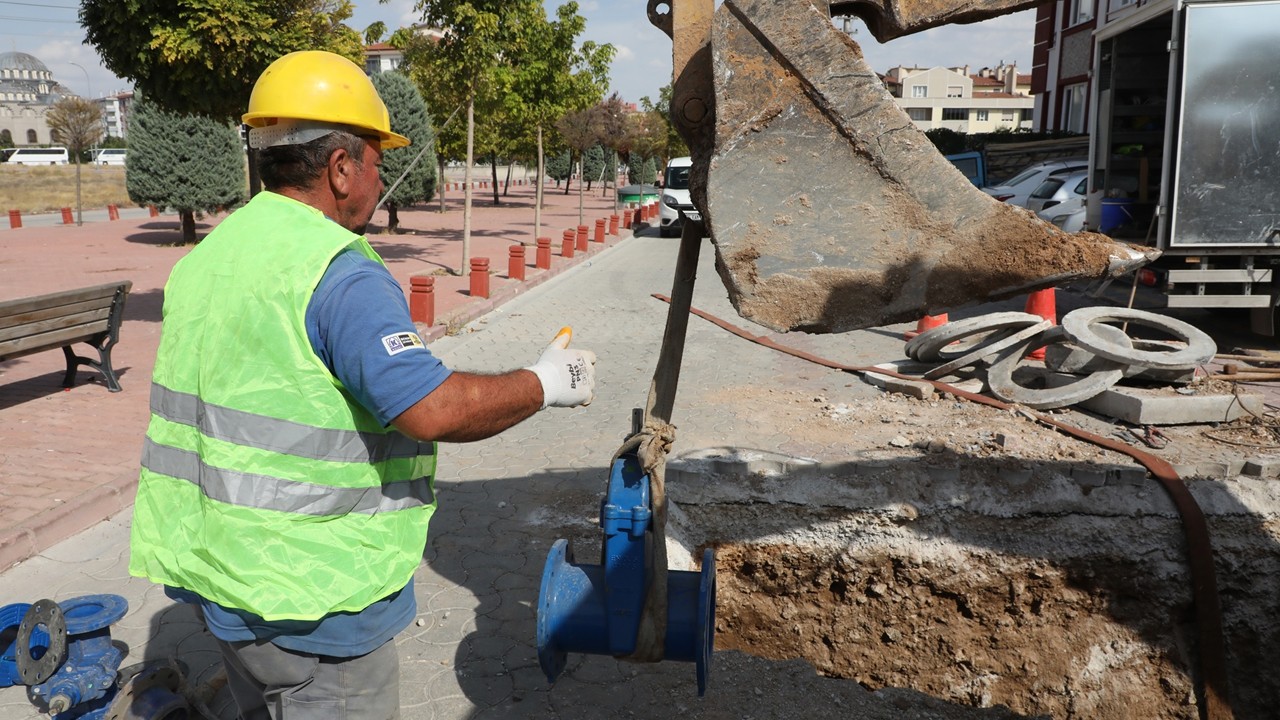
{"x": 581, "y": 130}
{"x": 559, "y": 166}
{"x": 204, "y": 57}
{"x": 675, "y": 145}
{"x": 593, "y": 164}
{"x": 409, "y": 117}
{"x": 375, "y": 32}
{"x": 6, "y": 138}
{"x": 189, "y": 163}
{"x": 641, "y": 170}
{"x": 77, "y": 124}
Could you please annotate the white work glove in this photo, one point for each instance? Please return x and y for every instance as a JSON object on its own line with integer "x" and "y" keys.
{"x": 568, "y": 377}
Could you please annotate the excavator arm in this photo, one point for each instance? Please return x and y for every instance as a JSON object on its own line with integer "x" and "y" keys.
{"x": 829, "y": 210}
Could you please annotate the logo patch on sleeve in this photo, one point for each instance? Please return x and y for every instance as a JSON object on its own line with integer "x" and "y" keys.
{"x": 400, "y": 342}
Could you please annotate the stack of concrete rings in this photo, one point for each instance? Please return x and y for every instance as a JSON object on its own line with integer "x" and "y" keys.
{"x": 1104, "y": 353}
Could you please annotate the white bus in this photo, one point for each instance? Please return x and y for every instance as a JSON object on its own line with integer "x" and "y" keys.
{"x": 38, "y": 156}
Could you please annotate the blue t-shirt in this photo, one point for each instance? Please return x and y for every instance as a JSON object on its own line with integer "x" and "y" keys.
{"x": 355, "y": 321}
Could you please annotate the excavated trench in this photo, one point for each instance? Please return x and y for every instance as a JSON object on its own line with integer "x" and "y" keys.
{"x": 1056, "y": 589}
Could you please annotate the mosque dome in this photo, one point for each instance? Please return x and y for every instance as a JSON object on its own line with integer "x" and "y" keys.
{"x": 21, "y": 61}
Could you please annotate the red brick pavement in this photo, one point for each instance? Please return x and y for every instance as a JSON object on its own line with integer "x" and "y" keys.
{"x": 68, "y": 459}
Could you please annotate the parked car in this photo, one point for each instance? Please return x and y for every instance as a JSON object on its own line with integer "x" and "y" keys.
{"x": 1017, "y": 189}
{"x": 1059, "y": 188}
{"x": 676, "y": 203}
{"x": 110, "y": 156}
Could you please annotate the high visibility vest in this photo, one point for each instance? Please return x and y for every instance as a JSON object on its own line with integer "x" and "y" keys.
{"x": 265, "y": 486}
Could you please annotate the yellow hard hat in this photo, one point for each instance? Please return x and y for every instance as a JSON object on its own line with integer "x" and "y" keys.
{"x": 313, "y": 89}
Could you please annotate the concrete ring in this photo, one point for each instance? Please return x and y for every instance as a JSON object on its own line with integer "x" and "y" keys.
{"x": 1001, "y": 384}
{"x": 1200, "y": 347}
{"x": 929, "y": 346}
{"x": 1006, "y": 340}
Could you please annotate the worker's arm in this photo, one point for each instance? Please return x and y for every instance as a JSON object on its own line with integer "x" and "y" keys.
{"x": 468, "y": 407}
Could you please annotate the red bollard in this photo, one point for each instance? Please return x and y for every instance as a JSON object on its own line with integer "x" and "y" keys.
{"x": 66, "y": 216}
{"x": 15, "y": 219}
{"x": 151, "y": 209}
{"x": 515, "y": 263}
{"x": 1045, "y": 304}
{"x": 566, "y": 249}
{"x": 599, "y": 230}
{"x": 613, "y": 224}
{"x": 113, "y": 212}
{"x": 422, "y": 299}
{"x": 582, "y": 238}
{"x": 543, "y": 258}
{"x": 480, "y": 277}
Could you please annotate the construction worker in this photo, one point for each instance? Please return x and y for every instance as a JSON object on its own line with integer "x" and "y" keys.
{"x": 287, "y": 474}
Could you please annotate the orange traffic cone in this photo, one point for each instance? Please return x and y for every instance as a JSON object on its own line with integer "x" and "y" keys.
{"x": 928, "y": 322}
{"x": 1045, "y": 304}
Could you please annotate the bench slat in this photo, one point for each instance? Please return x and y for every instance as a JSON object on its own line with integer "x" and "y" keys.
{"x": 21, "y": 320}
{"x": 65, "y": 297}
{"x": 89, "y": 322}
{"x": 43, "y": 341}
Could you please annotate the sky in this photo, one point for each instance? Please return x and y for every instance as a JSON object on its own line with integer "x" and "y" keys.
{"x": 48, "y": 29}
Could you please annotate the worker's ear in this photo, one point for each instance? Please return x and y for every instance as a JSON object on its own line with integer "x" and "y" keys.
{"x": 341, "y": 172}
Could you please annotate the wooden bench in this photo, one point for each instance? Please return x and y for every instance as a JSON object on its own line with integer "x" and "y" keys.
{"x": 58, "y": 320}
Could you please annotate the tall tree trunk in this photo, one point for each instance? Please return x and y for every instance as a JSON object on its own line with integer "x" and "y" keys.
{"x": 393, "y": 218}
{"x": 79, "y": 204}
{"x": 441, "y": 182}
{"x": 188, "y": 226}
{"x": 493, "y": 173}
{"x": 582, "y": 182}
{"x": 506, "y": 184}
{"x": 466, "y": 185}
{"x": 537, "y": 193}
{"x": 569, "y": 180}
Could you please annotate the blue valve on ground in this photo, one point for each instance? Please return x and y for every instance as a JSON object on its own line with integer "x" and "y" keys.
{"x": 597, "y": 609}
{"x": 36, "y": 643}
{"x": 92, "y": 660}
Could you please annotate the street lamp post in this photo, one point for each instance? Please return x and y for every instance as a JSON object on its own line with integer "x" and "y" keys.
{"x": 88, "y": 86}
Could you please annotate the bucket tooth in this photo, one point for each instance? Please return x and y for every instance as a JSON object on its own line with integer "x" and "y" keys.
{"x": 831, "y": 211}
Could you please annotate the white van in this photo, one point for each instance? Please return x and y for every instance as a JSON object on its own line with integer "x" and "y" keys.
{"x": 675, "y": 197}
{"x": 39, "y": 156}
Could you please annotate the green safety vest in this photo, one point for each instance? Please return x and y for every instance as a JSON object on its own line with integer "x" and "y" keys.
{"x": 265, "y": 486}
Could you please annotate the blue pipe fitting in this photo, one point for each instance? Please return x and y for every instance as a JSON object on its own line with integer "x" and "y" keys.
{"x": 89, "y": 672}
{"x": 596, "y": 609}
{"x": 10, "y": 618}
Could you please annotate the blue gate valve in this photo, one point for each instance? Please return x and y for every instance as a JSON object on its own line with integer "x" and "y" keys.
{"x": 89, "y": 672}
{"x": 596, "y": 609}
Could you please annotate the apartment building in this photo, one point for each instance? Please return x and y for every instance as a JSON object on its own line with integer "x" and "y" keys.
{"x": 955, "y": 98}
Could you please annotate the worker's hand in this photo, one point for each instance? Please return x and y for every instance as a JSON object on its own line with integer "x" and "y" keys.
{"x": 568, "y": 377}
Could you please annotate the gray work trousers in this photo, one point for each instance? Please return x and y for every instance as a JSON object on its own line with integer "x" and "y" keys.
{"x": 271, "y": 683}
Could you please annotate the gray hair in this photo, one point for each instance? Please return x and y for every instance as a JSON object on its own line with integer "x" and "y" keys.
{"x": 298, "y": 166}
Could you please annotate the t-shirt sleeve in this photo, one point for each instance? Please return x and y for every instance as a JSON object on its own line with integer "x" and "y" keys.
{"x": 358, "y": 323}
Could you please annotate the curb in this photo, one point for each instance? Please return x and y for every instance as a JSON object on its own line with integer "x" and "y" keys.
{"x": 72, "y": 517}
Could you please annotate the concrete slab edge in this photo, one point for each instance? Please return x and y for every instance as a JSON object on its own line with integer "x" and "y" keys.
{"x": 50, "y": 528}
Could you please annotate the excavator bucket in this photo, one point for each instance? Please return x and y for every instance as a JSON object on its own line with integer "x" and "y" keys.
{"x": 829, "y": 210}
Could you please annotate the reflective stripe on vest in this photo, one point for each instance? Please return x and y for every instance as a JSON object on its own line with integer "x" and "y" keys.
{"x": 267, "y": 433}
{"x": 268, "y": 493}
